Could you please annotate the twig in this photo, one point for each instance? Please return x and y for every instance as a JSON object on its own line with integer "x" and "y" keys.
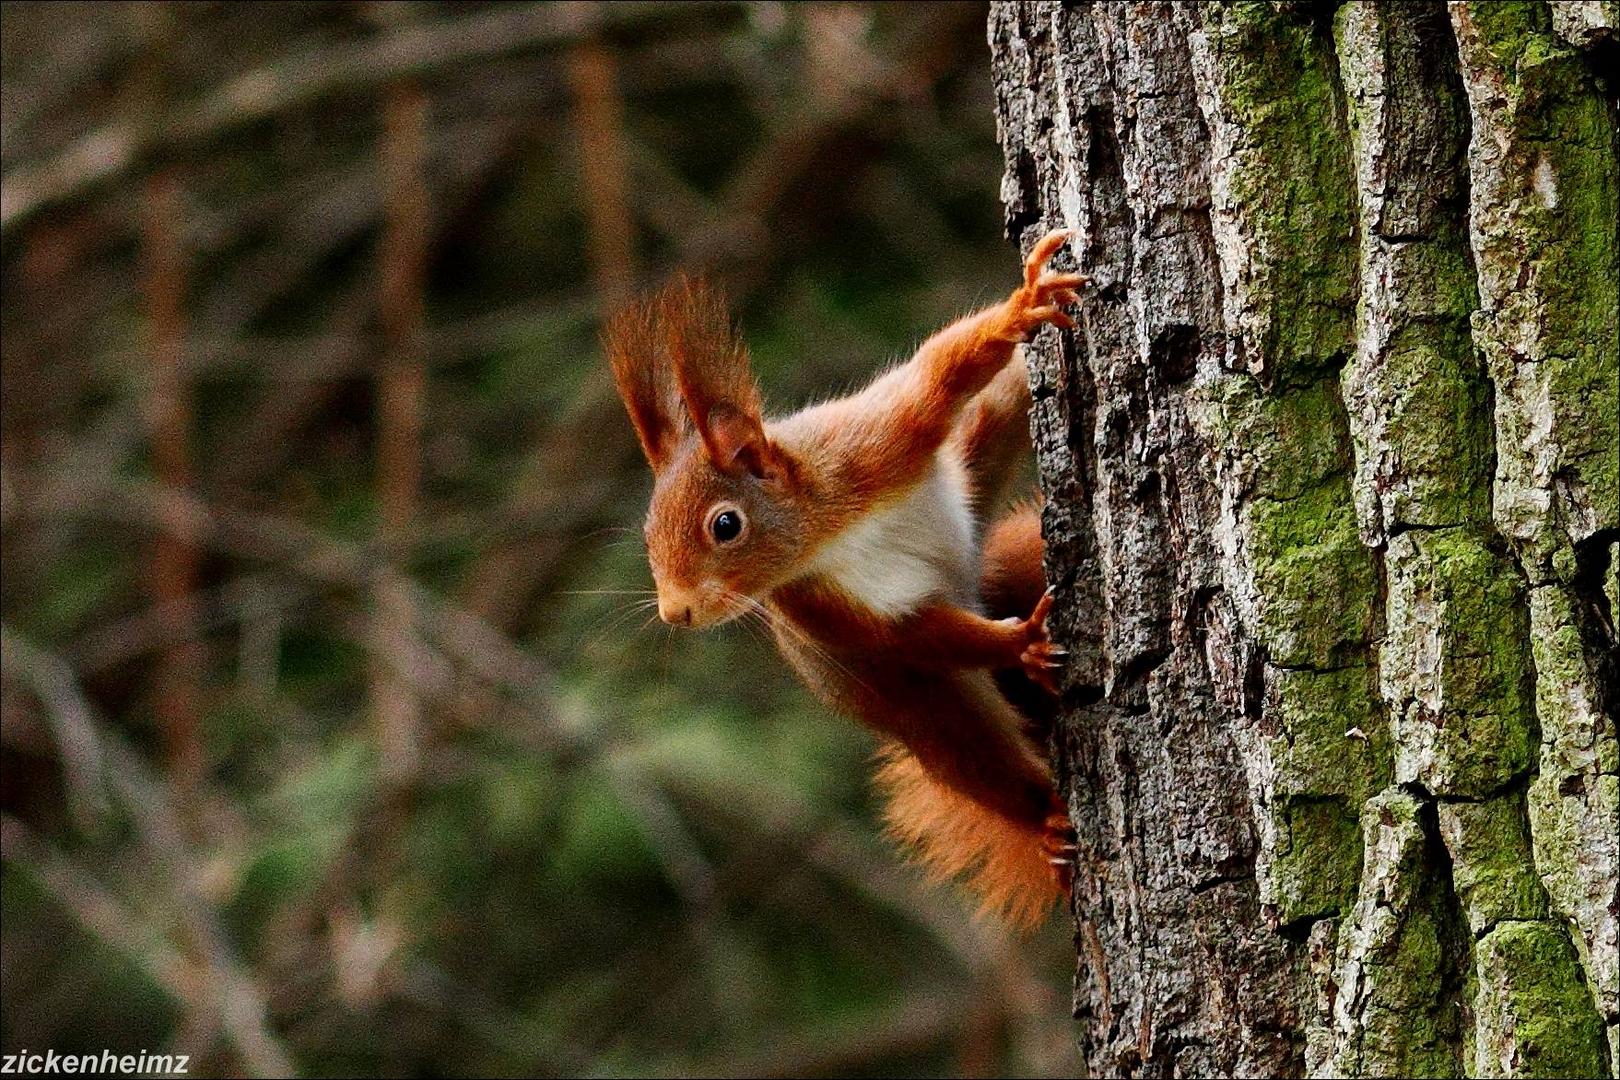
{"x": 174, "y": 560}
{"x": 176, "y": 693}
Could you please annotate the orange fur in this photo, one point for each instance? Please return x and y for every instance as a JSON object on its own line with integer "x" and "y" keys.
{"x": 1012, "y": 580}
{"x": 1002, "y": 861}
{"x": 633, "y": 341}
{"x": 992, "y": 437}
{"x": 711, "y": 375}
{"x": 1012, "y": 577}
{"x": 857, "y": 545}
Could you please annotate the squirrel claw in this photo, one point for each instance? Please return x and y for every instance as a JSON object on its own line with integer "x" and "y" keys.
{"x": 1044, "y": 294}
{"x": 1040, "y": 658}
{"x": 1039, "y": 667}
{"x": 1042, "y": 253}
{"x": 1062, "y": 850}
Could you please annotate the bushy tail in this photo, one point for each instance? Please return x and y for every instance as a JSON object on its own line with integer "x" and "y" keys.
{"x": 1006, "y": 864}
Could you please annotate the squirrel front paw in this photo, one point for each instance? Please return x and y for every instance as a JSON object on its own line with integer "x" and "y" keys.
{"x": 1043, "y": 296}
{"x": 1040, "y": 658}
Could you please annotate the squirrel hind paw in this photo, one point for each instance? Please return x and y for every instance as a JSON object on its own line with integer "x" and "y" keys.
{"x": 1004, "y": 863}
{"x": 1062, "y": 848}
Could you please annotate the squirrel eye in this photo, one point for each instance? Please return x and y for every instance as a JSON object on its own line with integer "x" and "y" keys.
{"x": 726, "y": 526}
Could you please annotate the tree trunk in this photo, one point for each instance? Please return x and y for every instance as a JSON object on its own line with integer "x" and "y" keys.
{"x": 1332, "y": 511}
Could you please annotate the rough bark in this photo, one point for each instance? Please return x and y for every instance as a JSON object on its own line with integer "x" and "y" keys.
{"x": 1331, "y": 468}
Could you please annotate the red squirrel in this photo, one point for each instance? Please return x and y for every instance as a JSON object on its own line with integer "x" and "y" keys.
{"x": 850, "y": 528}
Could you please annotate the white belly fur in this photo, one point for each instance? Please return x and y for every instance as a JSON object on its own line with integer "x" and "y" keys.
{"x": 916, "y": 548}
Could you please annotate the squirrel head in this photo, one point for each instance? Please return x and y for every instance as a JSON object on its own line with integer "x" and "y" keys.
{"x": 726, "y": 521}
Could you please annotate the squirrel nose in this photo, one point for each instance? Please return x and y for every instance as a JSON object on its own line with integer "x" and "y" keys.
{"x": 673, "y": 613}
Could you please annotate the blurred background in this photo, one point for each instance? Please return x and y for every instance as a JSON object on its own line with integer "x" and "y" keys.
{"x": 333, "y": 740}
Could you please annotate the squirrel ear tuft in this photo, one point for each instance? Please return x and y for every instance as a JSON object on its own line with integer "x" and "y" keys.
{"x": 713, "y": 377}
{"x": 637, "y": 350}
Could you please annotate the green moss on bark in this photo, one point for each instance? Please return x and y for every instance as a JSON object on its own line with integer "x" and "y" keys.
{"x": 1544, "y": 202}
{"x": 1396, "y": 953}
{"x": 1492, "y": 868}
{"x": 1331, "y": 742}
{"x": 1312, "y": 871}
{"x": 1577, "y": 736}
{"x": 1547, "y": 192}
{"x": 1330, "y": 754}
{"x": 1316, "y": 583}
{"x": 1433, "y": 436}
{"x": 1317, "y": 579}
{"x": 1534, "y": 1018}
{"x": 1291, "y": 176}
{"x": 1456, "y": 664}
{"x": 1418, "y": 398}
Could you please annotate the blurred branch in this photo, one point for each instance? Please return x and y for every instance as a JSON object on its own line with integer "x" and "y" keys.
{"x": 175, "y": 690}
{"x": 780, "y": 835}
{"x": 924, "y": 50}
{"x": 501, "y": 582}
{"x": 174, "y": 560}
{"x": 102, "y": 915}
{"x": 268, "y": 438}
{"x": 402, "y": 268}
{"x": 86, "y": 48}
{"x": 228, "y": 991}
{"x": 224, "y": 991}
{"x": 910, "y": 1027}
{"x": 599, "y": 121}
{"x": 72, "y": 723}
{"x": 299, "y": 549}
{"x": 672, "y": 842}
{"x": 259, "y": 595}
{"x": 107, "y": 154}
{"x": 795, "y": 834}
